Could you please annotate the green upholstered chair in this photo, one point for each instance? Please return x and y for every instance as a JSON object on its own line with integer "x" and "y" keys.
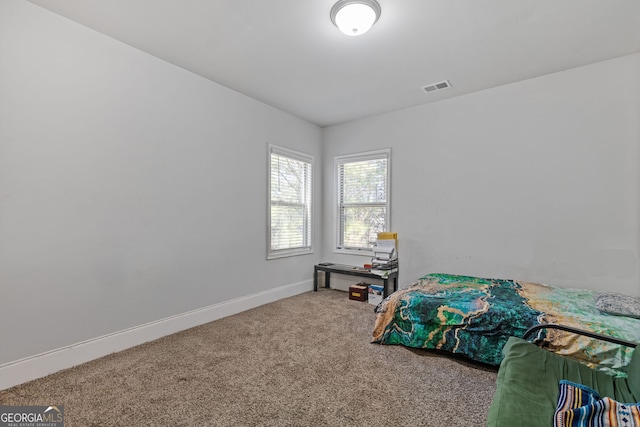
{"x": 528, "y": 384}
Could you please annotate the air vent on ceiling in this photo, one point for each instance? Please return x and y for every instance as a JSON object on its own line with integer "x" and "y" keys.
{"x": 437, "y": 86}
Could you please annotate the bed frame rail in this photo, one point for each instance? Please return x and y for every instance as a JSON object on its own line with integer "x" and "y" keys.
{"x": 532, "y": 330}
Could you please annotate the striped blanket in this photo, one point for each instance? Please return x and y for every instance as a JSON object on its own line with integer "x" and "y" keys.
{"x": 581, "y": 406}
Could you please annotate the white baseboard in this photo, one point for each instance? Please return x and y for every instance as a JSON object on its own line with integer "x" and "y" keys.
{"x": 40, "y": 365}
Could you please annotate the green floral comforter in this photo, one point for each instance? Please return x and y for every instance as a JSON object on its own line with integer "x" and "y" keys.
{"x": 474, "y": 317}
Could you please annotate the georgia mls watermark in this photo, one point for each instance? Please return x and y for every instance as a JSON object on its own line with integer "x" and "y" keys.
{"x": 32, "y": 416}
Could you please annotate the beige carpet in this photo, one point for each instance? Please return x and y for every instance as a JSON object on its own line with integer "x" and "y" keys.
{"x": 302, "y": 361}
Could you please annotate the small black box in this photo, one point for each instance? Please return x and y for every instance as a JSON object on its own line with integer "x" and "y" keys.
{"x": 359, "y": 292}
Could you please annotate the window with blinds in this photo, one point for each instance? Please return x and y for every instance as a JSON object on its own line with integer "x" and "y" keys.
{"x": 363, "y": 199}
{"x": 289, "y": 218}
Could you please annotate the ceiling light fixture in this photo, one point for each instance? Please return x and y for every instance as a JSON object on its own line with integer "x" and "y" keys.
{"x": 355, "y": 17}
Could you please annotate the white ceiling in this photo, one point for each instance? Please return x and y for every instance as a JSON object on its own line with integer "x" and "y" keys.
{"x": 288, "y": 54}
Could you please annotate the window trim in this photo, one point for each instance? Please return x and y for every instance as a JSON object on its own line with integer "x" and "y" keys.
{"x": 358, "y": 157}
{"x": 303, "y": 157}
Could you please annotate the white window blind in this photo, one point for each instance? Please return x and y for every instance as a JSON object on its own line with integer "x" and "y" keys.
{"x": 363, "y": 199}
{"x": 290, "y": 187}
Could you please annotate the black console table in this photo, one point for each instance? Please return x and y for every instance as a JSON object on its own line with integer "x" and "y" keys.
{"x": 351, "y": 270}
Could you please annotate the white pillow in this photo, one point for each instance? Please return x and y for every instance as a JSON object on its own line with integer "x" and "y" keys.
{"x": 618, "y": 304}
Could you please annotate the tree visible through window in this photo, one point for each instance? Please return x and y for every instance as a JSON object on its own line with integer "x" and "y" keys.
{"x": 290, "y": 198}
{"x": 363, "y": 199}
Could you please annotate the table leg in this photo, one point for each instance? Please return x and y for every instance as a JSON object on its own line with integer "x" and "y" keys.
{"x": 327, "y": 279}
{"x": 315, "y": 280}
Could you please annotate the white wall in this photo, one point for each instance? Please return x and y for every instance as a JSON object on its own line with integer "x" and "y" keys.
{"x": 119, "y": 182}
{"x": 536, "y": 180}
{"x": 130, "y": 189}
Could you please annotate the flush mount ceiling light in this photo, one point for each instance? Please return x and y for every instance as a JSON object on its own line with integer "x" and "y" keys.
{"x": 355, "y": 17}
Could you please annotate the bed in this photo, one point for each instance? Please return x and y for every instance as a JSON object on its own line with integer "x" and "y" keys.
{"x": 474, "y": 317}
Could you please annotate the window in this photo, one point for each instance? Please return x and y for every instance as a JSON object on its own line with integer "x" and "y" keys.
{"x": 289, "y": 217}
{"x": 363, "y": 199}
